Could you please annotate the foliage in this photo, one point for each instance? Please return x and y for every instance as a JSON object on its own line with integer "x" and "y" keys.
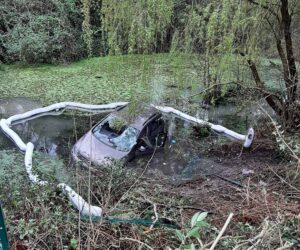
{"x": 73, "y": 243}
{"x": 98, "y": 80}
{"x": 86, "y": 25}
{"x": 11, "y": 181}
{"x": 228, "y": 32}
{"x": 136, "y": 27}
{"x": 208, "y": 29}
{"x": 43, "y": 217}
{"x": 52, "y": 170}
{"x": 117, "y": 124}
{"x": 14, "y": 180}
{"x": 38, "y": 211}
{"x": 35, "y": 31}
{"x": 193, "y": 233}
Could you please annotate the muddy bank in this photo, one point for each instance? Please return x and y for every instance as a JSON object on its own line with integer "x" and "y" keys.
{"x": 247, "y": 184}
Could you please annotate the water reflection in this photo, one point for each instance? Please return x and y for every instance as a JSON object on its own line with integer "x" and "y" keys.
{"x": 48, "y": 133}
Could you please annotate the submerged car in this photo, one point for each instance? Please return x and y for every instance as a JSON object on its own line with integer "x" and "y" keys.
{"x": 122, "y": 136}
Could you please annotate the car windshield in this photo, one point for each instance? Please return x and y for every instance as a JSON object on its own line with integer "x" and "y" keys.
{"x": 115, "y": 133}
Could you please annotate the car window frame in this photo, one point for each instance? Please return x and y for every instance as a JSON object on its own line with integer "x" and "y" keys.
{"x": 151, "y": 119}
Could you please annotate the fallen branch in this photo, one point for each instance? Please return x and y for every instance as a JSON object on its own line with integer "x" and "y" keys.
{"x": 283, "y": 180}
{"x": 257, "y": 238}
{"x": 222, "y": 231}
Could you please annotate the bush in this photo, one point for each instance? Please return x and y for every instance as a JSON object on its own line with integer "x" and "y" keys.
{"x": 40, "y": 31}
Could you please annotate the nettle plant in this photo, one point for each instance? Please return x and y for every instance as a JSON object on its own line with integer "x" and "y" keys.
{"x": 190, "y": 237}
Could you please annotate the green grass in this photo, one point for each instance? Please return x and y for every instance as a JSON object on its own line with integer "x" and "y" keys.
{"x": 97, "y": 80}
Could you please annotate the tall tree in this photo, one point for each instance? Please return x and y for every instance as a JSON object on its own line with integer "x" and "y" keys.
{"x": 86, "y": 26}
{"x": 220, "y": 31}
{"x": 279, "y": 16}
{"x": 136, "y": 26}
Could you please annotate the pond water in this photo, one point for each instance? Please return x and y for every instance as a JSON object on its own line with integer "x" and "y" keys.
{"x": 182, "y": 157}
{"x": 48, "y": 133}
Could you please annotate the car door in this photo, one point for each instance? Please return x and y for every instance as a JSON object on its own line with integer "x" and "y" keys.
{"x": 155, "y": 132}
{"x": 152, "y": 136}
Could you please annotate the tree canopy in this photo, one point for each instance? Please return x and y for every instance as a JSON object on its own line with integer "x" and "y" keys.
{"x": 220, "y": 32}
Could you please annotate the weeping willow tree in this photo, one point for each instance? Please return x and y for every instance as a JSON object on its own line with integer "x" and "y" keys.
{"x": 207, "y": 31}
{"x": 92, "y": 33}
{"x": 278, "y": 16}
{"x": 86, "y": 25}
{"x": 230, "y": 32}
{"x": 222, "y": 33}
{"x": 136, "y": 26}
{"x": 259, "y": 21}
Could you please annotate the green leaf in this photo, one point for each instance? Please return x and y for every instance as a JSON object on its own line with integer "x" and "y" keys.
{"x": 180, "y": 235}
{"x": 201, "y": 224}
{"x": 73, "y": 243}
{"x": 194, "y": 219}
{"x": 197, "y": 217}
{"x": 193, "y": 246}
{"x": 194, "y": 232}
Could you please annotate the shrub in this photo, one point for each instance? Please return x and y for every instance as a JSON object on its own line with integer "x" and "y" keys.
{"x": 40, "y": 31}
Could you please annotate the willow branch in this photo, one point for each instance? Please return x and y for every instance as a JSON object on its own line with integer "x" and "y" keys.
{"x": 264, "y": 7}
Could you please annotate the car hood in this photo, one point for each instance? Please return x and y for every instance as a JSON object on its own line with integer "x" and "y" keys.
{"x": 91, "y": 149}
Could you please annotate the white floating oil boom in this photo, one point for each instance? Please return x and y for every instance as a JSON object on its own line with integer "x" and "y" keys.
{"x": 5, "y": 124}
{"x": 245, "y": 139}
{"x": 55, "y": 109}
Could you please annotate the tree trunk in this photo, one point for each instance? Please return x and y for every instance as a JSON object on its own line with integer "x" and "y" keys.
{"x": 260, "y": 84}
{"x": 286, "y": 106}
{"x": 292, "y": 81}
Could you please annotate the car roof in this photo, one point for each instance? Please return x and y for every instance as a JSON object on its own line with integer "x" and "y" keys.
{"x": 137, "y": 118}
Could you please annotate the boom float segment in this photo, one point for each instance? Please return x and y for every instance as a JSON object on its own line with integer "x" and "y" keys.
{"x": 84, "y": 207}
{"x": 246, "y": 139}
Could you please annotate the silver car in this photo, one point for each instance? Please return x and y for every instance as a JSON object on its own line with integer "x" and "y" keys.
{"x": 120, "y": 136}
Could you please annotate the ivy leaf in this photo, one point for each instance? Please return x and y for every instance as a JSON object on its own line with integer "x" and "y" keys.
{"x": 73, "y": 243}
{"x": 194, "y": 232}
{"x": 198, "y": 217}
